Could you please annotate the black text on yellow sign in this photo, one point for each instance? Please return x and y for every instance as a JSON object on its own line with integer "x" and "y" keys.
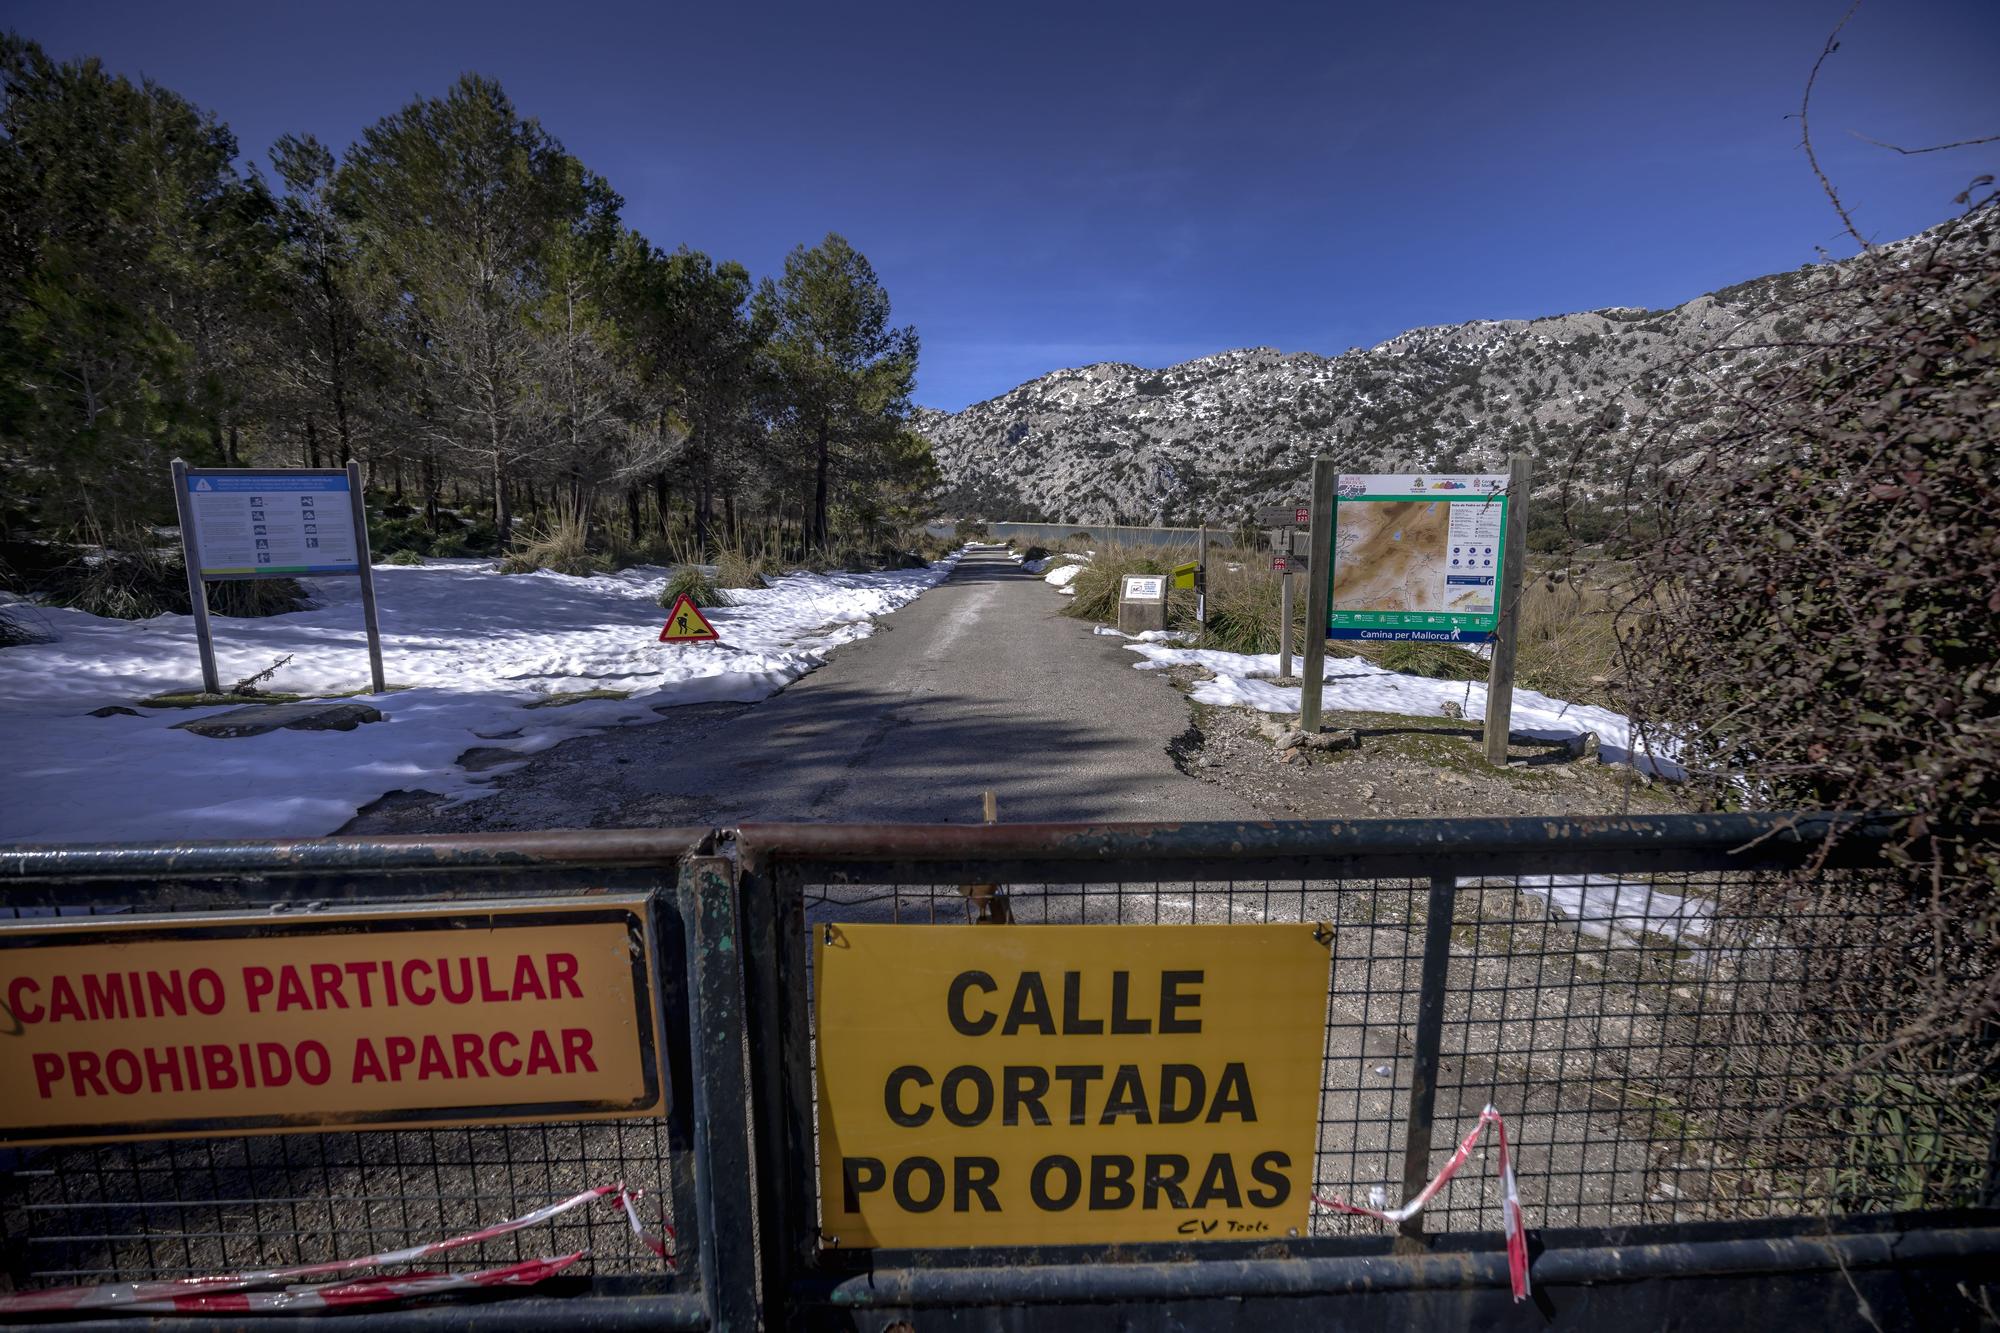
{"x": 163, "y": 1027}
{"x": 1067, "y": 1084}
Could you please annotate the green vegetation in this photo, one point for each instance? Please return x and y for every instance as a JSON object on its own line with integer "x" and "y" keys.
{"x": 203, "y": 699}
{"x": 609, "y": 401}
{"x": 563, "y": 547}
{"x": 1816, "y": 627}
{"x": 736, "y": 567}
{"x": 576, "y": 697}
{"x": 133, "y": 576}
{"x": 1098, "y": 584}
{"x": 1440, "y": 661}
{"x": 692, "y": 582}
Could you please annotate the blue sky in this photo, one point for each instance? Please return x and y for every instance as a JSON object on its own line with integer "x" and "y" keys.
{"x": 1044, "y": 185}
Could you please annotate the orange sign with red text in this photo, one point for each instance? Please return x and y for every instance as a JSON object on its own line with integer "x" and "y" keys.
{"x": 170, "y": 1026}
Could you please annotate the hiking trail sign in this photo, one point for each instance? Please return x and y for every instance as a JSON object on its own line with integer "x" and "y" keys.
{"x": 272, "y": 523}
{"x": 1434, "y": 558}
{"x": 1055, "y": 1085}
{"x": 1418, "y": 557}
{"x": 686, "y": 624}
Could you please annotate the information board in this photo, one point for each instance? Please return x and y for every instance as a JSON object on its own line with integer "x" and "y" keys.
{"x": 1418, "y": 557}
{"x": 246, "y": 523}
{"x": 272, "y": 524}
{"x": 468, "y": 1013}
{"x": 1023, "y": 1085}
{"x": 1143, "y": 588}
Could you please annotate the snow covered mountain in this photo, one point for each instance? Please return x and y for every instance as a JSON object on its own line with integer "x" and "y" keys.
{"x": 1212, "y": 438}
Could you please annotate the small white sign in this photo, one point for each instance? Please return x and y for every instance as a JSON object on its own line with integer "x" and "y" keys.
{"x": 1144, "y": 588}
{"x": 272, "y": 524}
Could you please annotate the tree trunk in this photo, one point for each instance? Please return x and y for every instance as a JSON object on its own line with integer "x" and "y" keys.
{"x": 729, "y": 515}
{"x": 664, "y": 499}
{"x": 235, "y": 451}
{"x": 502, "y": 520}
{"x": 428, "y": 467}
{"x": 818, "y": 536}
{"x": 701, "y": 502}
{"x": 632, "y": 510}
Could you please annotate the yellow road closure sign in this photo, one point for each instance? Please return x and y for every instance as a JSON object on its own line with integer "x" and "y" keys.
{"x": 469, "y": 1013}
{"x": 1020, "y": 1085}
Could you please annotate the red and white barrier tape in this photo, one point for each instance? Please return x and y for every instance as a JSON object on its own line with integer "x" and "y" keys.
{"x": 1510, "y": 1200}
{"x": 172, "y": 1295}
{"x": 349, "y": 1292}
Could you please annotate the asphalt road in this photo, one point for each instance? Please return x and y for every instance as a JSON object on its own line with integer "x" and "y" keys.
{"x": 980, "y": 683}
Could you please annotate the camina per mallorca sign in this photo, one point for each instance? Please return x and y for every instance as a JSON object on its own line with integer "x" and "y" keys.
{"x": 1021, "y": 1085}
{"x": 1418, "y": 557}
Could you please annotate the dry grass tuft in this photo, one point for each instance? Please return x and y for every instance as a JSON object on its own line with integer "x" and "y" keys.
{"x": 561, "y": 547}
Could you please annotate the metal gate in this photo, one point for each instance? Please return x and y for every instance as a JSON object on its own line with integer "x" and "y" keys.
{"x": 1659, "y": 1006}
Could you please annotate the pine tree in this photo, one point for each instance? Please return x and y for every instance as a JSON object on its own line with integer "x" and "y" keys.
{"x": 846, "y": 374}
{"x": 460, "y": 203}
{"x": 127, "y": 263}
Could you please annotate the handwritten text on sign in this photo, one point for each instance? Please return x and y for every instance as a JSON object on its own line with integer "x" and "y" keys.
{"x": 146, "y": 1028}
{"x": 1067, "y": 1084}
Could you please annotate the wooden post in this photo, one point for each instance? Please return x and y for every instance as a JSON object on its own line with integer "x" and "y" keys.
{"x": 1201, "y": 577}
{"x": 989, "y": 906}
{"x": 1285, "y": 623}
{"x": 1507, "y": 634}
{"x": 365, "y": 561}
{"x": 197, "y": 587}
{"x": 1319, "y": 592}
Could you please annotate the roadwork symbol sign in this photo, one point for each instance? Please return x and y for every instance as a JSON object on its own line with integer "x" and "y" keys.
{"x": 1018, "y": 1085}
{"x": 687, "y": 625}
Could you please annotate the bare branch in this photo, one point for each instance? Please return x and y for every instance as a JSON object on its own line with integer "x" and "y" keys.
{"x": 1805, "y": 129}
{"x": 1934, "y": 148}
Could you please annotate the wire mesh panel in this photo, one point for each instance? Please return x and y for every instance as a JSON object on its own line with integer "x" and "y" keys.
{"x": 173, "y": 1208}
{"x": 1665, "y": 1047}
{"x": 128, "y": 1212}
{"x": 1695, "y": 1046}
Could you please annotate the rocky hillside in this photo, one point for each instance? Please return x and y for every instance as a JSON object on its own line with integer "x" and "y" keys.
{"x": 1212, "y": 438}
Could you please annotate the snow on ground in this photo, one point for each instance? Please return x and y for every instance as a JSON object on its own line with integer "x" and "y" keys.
{"x": 1353, "y": 684}
{"x": 1146, "y": 635}
{"x": 472, "y": 646}
{"x": 1062, "y": 575}
{"x": 1618, "y": 911}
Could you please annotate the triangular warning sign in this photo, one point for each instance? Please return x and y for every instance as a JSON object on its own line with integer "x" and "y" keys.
{"x": 685, "y": 624}
{"x": 201, "y": 484}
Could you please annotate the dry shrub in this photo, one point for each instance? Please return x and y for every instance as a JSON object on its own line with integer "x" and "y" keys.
{"x": 562, "y": 547}
{"x": 1439, "y": 661}
{"x": 693, "y": 582}
{"x": 1097, "y": 586}
{"x": 1569, "y": 639}
{"x": 133, "y": 576}
{"x": 16, "y": 629}
{"x": 736, "y": 567}
{"x": 1243, "y": 605}
{"x": 1821, "y": 628}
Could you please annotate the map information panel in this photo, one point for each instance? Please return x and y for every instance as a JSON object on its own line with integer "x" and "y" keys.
{"x": 271, "y": 524}
{"x": 1417, "y": 557}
